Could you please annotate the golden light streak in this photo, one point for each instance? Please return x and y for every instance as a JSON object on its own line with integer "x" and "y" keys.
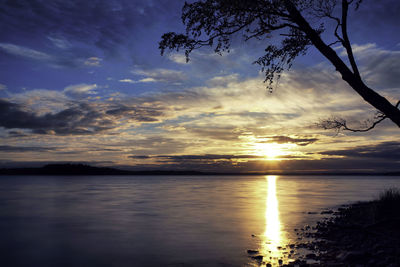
{"x": 273, "y": 238}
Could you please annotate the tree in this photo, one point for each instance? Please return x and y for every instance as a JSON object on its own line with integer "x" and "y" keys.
{"x": 286, "y": 24}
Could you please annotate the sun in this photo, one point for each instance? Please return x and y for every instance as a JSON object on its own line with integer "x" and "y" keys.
{"x": 271, "y": 151}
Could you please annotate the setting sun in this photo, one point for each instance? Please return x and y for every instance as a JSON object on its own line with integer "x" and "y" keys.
{"x": 271, "y": 151}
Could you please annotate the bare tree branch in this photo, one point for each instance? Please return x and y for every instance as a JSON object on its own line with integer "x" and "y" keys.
{"x": 338, "y": 124}
{"x": 333, "y": 43}
{"x": 294, "y": 22}
{"x": 346, "y": 41}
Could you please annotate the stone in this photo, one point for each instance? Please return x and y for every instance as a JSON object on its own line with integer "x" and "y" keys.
{"x": 327, "y": 212}
{"x": 311, "y": 256}
{"x": 355, "y": 257}
{"x": 258, "y": 257}
{"x": 252, "y": 251}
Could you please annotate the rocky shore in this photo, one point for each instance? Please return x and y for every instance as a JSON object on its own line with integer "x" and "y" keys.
{"x": 361, "y": 234}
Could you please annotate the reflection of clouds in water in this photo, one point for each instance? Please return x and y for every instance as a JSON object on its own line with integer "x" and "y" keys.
{"x": 274, "y": 238}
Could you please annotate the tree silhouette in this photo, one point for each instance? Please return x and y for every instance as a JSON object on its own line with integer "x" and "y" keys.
{"x": 290, "y": 27}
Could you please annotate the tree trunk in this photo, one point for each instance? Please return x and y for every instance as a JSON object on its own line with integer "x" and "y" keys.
{"x": 369, "y": 95}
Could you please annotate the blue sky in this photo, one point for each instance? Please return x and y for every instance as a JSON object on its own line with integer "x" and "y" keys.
{"x": 84, "y": 81}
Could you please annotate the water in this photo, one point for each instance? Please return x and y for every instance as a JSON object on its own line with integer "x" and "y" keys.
{"x": 164, "y": 220}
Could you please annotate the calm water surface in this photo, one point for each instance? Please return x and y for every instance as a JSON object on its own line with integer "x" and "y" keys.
{"x": 164, "y": 220}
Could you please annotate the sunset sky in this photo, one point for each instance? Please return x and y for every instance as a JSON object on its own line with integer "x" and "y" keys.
{"x": 84, "y": 81}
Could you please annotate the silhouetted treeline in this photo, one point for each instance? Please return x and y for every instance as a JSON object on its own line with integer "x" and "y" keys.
{"x": 83, "y": 169}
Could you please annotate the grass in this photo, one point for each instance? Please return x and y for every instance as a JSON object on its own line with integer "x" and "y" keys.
{"x": 391, "y": 195}
{"x": 388, "y": 203}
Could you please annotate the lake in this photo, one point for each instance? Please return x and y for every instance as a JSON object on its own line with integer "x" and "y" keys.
{"x": 165, "y": 220}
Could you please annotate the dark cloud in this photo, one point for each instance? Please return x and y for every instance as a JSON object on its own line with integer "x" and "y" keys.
{"x": 26, "y": 149}
{"x": 107, "y": 24}
{"x": 140, "y": 157}
{"x": 330, "y": 165}
{"x": 156, "y": 145}
{"x": 81, "y": 118}
{"x": 198, "y": 157}
{"x": 227, "y": 163}
{"x": 143, "y": 114}
{"x": 383, "y": 157}
{"x": 382, "y": 151}
{"x": 219, "y": 133}
{"x": 17, "y": 134}
{"x": 281, "y": 139}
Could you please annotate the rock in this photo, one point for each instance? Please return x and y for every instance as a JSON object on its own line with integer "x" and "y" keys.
{"x": 355, "y": 257}
{"x": 269, "y": 265}
{"x": 280, "y": 261}
{"x": 300, "y": 263}
{"x": 311, "y": 256}
{"x": 327, "y": 212}
{"x": 252, "y": 251}
{"x": 258, "y": 257}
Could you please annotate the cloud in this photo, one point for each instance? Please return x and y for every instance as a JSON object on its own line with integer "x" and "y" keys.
{"x": 3, "y": 87}
{"x": 17, "y": 134}
{"x": 360, "y": 49}
{"x": 93, "y": 62}
{"x": 80, "y": 90}
{"x": 249, "y": 163}
{"x": 105, "y": 24}
{"x": 280, "y": 139}
{"x": 25, "y": 52}
{"x": 157, "y": 75}
{"x": 144, "y": 80}
{"x": 81, "y": 118}
{"x": 177, "y": 58}
{"x": 41, "y": 100}
{"x": 127, "y": 81}
{"x": 143, "y": 114}
{"x": 161, "y": 75}
{"x": 379, "y": 67}
{"x": 52, "y": 59}
{"x": 26, "y": 149}
{"x": 381, "y": 151}
{"x": 61, "y": 43}
{"x": 197, "y": 157}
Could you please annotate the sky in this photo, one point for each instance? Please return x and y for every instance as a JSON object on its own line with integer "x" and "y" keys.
{"x": 84, "y": 81}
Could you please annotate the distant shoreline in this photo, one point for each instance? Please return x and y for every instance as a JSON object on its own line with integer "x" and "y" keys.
{"x": 82, "y": 169}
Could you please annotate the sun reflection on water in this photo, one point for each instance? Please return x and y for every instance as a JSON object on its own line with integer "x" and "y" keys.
{"x": 274, "y": 242}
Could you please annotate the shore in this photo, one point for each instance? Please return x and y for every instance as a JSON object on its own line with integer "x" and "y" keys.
{"x": 360, "y": 234}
